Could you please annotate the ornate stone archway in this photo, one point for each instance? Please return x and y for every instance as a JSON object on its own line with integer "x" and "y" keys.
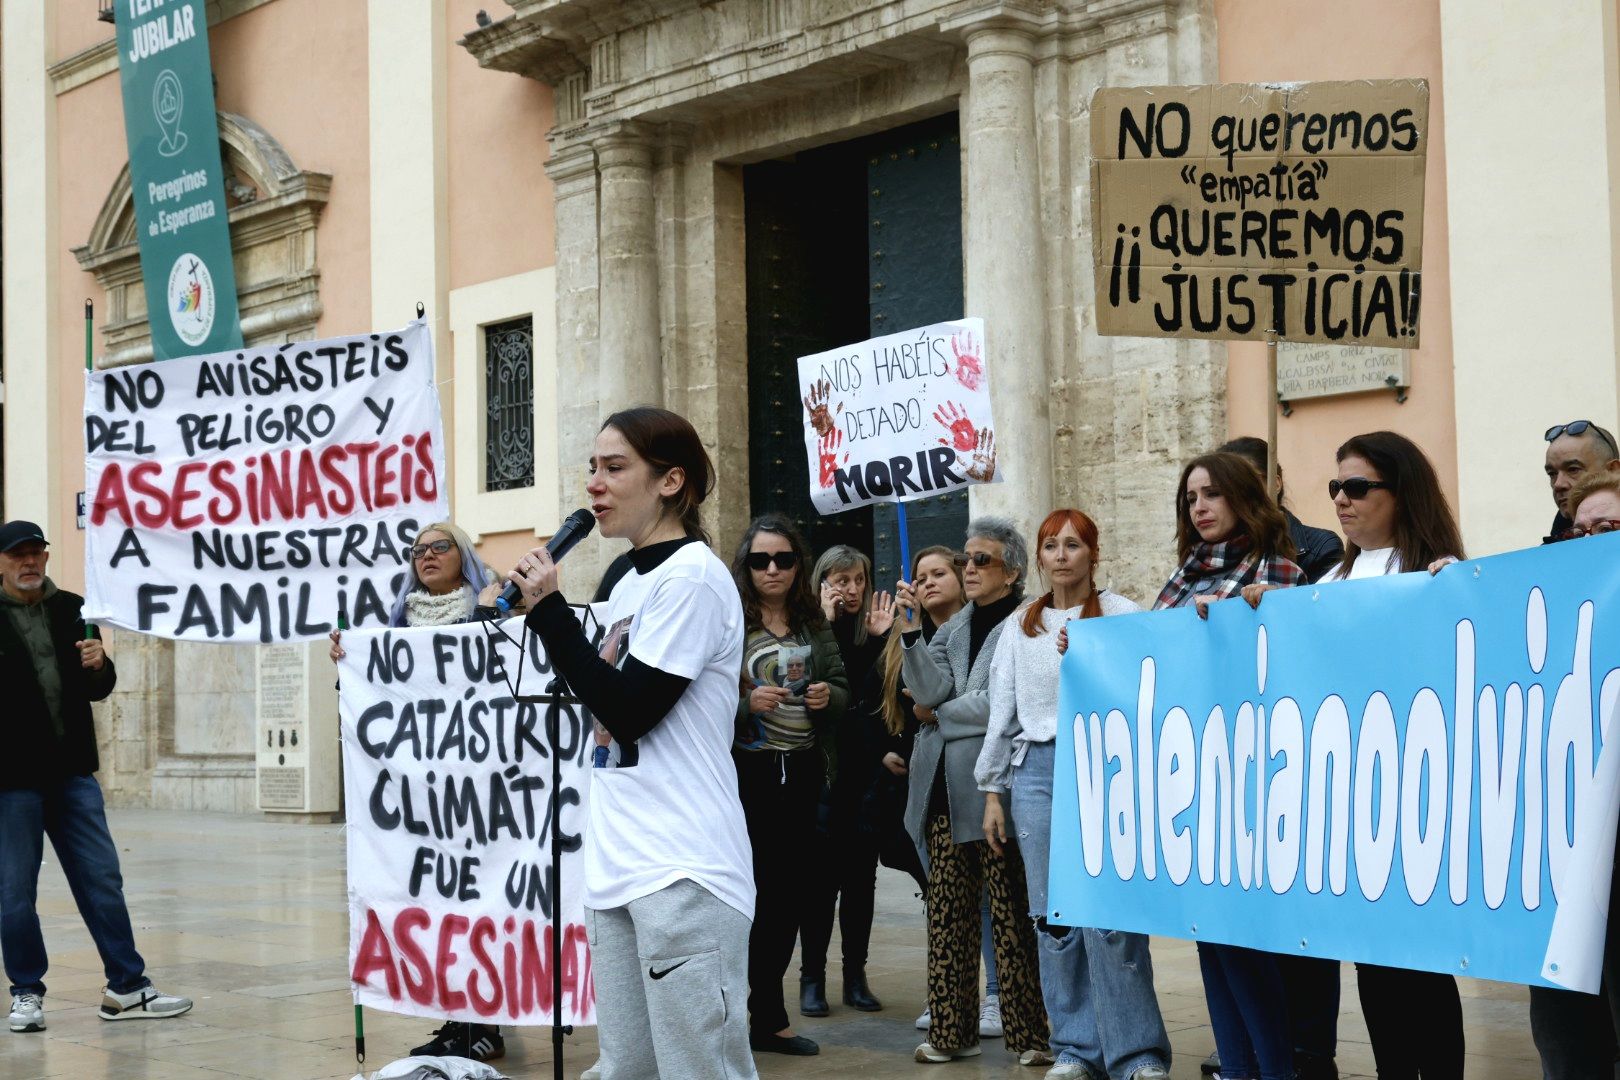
{"x": 274, "y": 208}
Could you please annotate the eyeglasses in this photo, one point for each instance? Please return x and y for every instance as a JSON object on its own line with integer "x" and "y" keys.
{"x": 438, "y": 547}
{"x": 1356, "y": 487}
{"x": 981, "y": 559}
{"x": 1581, "y": 427}
{"x": 1597, "y": 528}
{"x": 784, "y": 560}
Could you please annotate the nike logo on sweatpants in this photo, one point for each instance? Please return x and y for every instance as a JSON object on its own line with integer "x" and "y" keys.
{"x": 660, "y": 974}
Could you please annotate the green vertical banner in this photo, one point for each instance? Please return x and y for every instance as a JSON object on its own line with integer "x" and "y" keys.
{"x": 176, "y": 177}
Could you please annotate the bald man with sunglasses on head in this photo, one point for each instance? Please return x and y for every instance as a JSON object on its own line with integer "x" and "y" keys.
{"x": 1575, "y": 450}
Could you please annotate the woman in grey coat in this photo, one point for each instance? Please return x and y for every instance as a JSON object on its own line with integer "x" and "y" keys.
{"x": 950, "y": 678}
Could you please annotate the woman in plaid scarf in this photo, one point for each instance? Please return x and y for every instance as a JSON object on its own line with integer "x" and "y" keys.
{"x": 1233, "y": 540}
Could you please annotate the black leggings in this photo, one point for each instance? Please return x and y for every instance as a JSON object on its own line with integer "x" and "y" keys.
{"x": 779, "y": 794}
{"x": 844, "y": 876}
{"x": 1415, "y": 1020}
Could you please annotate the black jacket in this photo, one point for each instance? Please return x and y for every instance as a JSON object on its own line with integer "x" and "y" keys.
{"x": 1320, "y": 550}
{"x": 34, "y": 756}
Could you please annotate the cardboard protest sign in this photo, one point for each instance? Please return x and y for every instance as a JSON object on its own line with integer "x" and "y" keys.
{"x": 1449, "y": 806}
{"x": 899, "y": 417}
{"x": 448, "y": 782}
{"x": 261, "y": 495}
{"x": 1226, "y": 211}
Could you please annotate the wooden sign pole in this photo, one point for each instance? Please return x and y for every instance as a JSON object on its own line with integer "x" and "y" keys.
{"x": 1271, "y": 411}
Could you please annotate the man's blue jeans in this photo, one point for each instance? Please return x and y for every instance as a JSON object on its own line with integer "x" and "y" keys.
{"x": 73, "y": 815}
{"x": 1084, "y": 968}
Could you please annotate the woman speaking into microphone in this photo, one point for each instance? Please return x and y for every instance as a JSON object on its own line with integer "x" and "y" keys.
{"x": 669, "y": 888}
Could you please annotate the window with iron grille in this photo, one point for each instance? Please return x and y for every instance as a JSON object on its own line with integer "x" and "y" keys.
{"x": 509, "y": 404}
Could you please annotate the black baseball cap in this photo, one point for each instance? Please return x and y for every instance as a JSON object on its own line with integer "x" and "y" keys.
{"x": 13, "y": 533}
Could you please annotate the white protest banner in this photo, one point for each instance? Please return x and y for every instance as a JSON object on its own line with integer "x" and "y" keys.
{"x": 448, "y": 780}
{"x": 1226, "y": 211}
{"x": 899, "y": 417}
{"x": 261, "y": 495}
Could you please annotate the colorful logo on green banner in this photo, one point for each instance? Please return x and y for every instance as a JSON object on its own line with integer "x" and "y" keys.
{"x": 176, "y": 177}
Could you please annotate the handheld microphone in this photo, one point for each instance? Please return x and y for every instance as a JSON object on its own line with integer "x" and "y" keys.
{"x": 576, "y": 528}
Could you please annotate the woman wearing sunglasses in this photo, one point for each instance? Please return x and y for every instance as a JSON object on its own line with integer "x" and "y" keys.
{"x": 950, "y": 677}
{"x": 1395, "y": 518}
{"x": 1233, "y": 539}
{"x": 1087, "y": 976}
{"x": 782, "y": 735}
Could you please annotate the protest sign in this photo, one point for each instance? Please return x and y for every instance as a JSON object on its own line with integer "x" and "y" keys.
{"x": 176, "y": 181}
{"x": 899, "y": 417}
{"x": 1226, "y": 211}
{"x": 448, "y": 782}
{"x": 1405, "y": 770}
{"x": 261, "y": 495}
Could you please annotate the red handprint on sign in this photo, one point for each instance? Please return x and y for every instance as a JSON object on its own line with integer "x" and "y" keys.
{"x": 816, "y": 406}
{"x": 951, "y": 417}
{"x": 969, "y": 367}
{"x": 982, "y": 465}
{"x": 829, "y": 456}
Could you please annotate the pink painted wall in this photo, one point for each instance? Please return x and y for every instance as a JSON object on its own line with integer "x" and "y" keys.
{"x": 1289, "y": 40}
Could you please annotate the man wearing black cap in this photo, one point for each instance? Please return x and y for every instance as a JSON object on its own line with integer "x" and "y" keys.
{"x": 51, "y": 671}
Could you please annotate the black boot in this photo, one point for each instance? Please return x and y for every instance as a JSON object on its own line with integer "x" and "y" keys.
{"x": 857, "y": 993}
{"x": 813, "y": 997}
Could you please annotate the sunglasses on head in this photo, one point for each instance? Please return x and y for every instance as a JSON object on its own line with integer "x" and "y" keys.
{"x": 1356, "y": 487}
{"x": 1580, "y": 427}
{"x": 784, "y": 560}
{"x": 980, "y": 559}
{"x": 438, "y": 547}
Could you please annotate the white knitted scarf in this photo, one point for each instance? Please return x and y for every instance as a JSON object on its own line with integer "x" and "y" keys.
{"x": 422, "y": 608}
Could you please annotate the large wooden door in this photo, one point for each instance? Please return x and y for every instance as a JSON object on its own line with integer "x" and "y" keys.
{"x": 844, "y": 243}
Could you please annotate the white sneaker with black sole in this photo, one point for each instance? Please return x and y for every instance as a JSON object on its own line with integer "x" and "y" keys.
{"x": 27, "y": 1012}
{"x": 147, "y": 1003}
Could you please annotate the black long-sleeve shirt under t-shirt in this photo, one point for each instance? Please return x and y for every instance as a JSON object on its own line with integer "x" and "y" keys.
{"x": 629, "y": 700}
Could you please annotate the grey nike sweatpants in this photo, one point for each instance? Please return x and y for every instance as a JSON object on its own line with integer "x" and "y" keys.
{"x": 671, "y": 974}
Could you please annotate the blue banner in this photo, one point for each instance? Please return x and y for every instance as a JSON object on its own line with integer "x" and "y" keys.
{"x": 1404, "y": 770}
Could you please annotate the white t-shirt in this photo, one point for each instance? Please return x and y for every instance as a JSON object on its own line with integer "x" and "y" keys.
{"x": 674, "y": 813}
{"x": 1374, "y": 562}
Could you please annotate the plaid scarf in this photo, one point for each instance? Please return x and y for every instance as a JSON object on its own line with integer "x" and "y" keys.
{"x": 1221, "y": 570}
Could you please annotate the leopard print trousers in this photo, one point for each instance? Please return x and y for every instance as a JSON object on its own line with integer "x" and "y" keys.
{"x": 957, "y": 873}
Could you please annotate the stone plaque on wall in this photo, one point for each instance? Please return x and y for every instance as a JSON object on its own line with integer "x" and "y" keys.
{"x": 296, "y": 733}
{"x": 1306, "y": 370}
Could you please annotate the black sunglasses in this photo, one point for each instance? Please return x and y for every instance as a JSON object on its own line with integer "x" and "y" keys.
{"x": 438, "y": 547}
{"x": 1356, "y": 487}
{"x": 1580, "y": 427}
{"x": 784, "y": 560}
{"x": 980, "y": 559}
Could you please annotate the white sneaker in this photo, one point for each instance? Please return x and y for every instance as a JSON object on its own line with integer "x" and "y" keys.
{"x": 27, "y": 1012}
{"x": 990, "y": 1018}
{"x": 924, "y": 1020}
{"x": 1069, "y": 1070}
{"x": 148, "y": 1003}
{"x": 593, "y": 1073}
{"x": 927, "y": 1055}
{"x": 1035, "y": 1057}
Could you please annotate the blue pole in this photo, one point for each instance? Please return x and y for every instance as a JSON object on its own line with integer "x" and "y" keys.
{"x": 905, "y": 540}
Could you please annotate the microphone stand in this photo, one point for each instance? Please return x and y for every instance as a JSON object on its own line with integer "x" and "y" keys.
{"x": 556, "y": 695}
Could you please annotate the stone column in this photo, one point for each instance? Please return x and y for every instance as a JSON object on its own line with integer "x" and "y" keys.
{"x": 572, "y": 169}
{"x": 1004, "y": 256}
{"x": 630, "y": 368}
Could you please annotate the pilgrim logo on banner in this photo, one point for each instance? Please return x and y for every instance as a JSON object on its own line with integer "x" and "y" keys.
{"x": 899, "y": 417}
{"x": 1226, "y": 211}
{"x": 448, "y": 783}
{"x": 261, "y": 495}
{"x": 1411, "y": 771}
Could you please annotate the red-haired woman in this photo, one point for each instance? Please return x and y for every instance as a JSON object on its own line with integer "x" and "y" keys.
{"x": 1097, "y": 985}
